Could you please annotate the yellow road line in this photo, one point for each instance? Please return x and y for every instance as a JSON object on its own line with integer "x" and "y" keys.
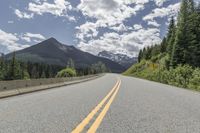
{"x": 99, "y": 119}
{"x": 81, "y": 126}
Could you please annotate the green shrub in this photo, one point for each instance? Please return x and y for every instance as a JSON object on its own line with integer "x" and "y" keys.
{"x": 67, "y": 72}
{"x": 181, "y": 75}
{"x": 195, "y": 80}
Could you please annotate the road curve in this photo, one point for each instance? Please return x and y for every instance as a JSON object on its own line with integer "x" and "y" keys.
{"x": 115, "y": 104}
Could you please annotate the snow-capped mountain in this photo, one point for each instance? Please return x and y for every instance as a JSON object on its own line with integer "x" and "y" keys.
{"x": 122, "y": 59}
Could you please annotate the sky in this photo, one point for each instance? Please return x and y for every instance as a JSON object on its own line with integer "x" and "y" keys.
{"x": 118, "y": 26}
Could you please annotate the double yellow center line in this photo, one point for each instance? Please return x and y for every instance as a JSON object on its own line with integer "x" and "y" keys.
{"x": 109, "y": 97}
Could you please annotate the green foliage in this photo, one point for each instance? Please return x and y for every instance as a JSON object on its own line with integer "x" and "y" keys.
{"x": 195, "y": 80}
{"x": 14, "y": 69}
{"x": 181, "y": 75}
{"x": 185, "y": 38}
{"x": 67, "y": 72}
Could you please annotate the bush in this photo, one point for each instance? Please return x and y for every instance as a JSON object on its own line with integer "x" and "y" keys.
{"x": 195, "y": 80}
{"x": 181, "y": 75}
{"x": 67, "y": 72}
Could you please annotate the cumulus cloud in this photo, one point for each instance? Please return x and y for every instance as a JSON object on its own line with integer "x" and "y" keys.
{"x": 153, "y": 23}
{"x": 29, "y": 37}
{"x": 127, "y": 43}
{"x": 9, "y": 42}
{"x": 111, "y": 15}
{"x": 40, "y": 7}
{"x": 87, "y": 30}
{"x": 160, "y": 2}
{"x": 171, "y": 10}
{"x": 106, "y": 13}
{"x": 137, "y": 27}
{"x": 23, "y": 14}
{"x": 110, "y": 12}
{"x": 120, "y": 28}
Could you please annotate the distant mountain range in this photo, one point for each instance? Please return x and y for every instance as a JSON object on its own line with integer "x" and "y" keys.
{"x": 121, "y": 59}
{"x": 53, "y": 52}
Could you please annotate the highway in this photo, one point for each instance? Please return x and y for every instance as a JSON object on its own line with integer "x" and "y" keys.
{"x": 110, "y": 104}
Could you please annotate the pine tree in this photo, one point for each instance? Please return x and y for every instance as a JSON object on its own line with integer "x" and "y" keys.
{"x": 34, "y": 72}
{"x": 171, "y": 37}
{"x": 24, "y": 72}
{"x": 1, "y": 68}
{"x": 163, "y": 45}
{"x": 14, "y": 69}
{"x": 180, "y": 53}
{"x": 140, "y": 56}
{"x": 195, "y": 38}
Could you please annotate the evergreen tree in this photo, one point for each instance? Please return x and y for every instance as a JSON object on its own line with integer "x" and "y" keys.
{"x": 34, "y": 72}
{"x": 140, "y": 56}
{"x": 14, "y": 69}
{"x": 171, "y": 37}
{"x": 180, "y": 53}
{"x": 194, "y": 39}
{"x": 1, "y": 68}
{"x": 24, "y": 72}
{"x": 163, "y": 45}
{"x": 155, "y": 50}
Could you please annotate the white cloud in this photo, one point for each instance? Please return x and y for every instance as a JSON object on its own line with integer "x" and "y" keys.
{"x": 137, "y": 27}
{"x": 86, "y": 30}
{"x": 160, "y": 2}
{"x": 107, "y": 14}
{"x": 120, "y": 28}
{"x": 171, "y": 10}
{"x": 29, "y": 37}
{"x": 110, "y": 12}
{"x": 111, "y": 15}
{"x": 9, "y": 42}
{"x": 58, "y": 8}
{"x": 153, "y": 23}
{"x": 23, "y": 14}
{"x": 127, "y": 43}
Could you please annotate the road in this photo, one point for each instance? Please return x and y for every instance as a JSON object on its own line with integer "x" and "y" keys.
{"x": 109, "y": 104}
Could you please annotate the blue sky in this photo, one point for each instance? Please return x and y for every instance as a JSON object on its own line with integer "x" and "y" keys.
{"x": 119, "y": 26}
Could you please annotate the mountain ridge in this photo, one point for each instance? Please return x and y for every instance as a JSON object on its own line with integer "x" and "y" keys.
{"x": 53, "y": 52}
{"x": 121, "y": 59}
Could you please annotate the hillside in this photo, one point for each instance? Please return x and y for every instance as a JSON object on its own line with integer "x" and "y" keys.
{"x": 53, "y": 52}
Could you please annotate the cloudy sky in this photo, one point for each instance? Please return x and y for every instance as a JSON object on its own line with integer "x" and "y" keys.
{"x": 119, "y": 26}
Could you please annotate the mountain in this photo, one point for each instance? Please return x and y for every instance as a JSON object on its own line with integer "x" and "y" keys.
{"x": 122, "y": 59}
{"x": 53, "y": 52}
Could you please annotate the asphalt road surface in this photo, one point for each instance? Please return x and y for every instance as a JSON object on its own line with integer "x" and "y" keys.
{"x": 109, "y": 104}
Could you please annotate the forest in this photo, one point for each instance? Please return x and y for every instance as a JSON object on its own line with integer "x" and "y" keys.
{"x": 16, "y": 70}
{"x": 176, "y": 61}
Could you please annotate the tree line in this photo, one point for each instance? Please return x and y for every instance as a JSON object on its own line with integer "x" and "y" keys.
{"x": 15, "y": 70}
{"x": 182, "y": 43}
